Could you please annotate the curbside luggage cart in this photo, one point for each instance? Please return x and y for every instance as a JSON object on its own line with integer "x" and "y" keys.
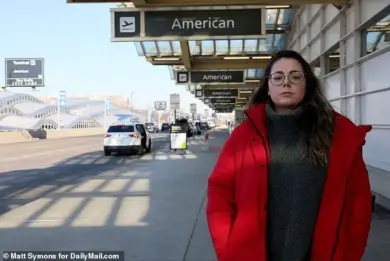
{"x": 178, "y": 138}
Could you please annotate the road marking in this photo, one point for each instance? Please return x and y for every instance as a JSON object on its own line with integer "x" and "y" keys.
{"x": 49, "y": 152}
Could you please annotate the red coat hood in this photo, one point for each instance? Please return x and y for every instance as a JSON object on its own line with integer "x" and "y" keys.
{"x": 362, "y": 132}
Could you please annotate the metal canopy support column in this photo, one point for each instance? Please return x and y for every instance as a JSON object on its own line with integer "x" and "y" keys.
{"x": 274, "y": 28}
{"x": 357, "y": 39}
{"x": 343, "y": 53}
{"x": 185, "y": 54}
{"x": 323, "y": 58}
{"x": 299, "y": 28}
{"x": 308, "y": 32}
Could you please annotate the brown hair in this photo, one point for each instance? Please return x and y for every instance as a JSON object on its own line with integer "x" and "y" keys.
{"x": 317, "y": 120}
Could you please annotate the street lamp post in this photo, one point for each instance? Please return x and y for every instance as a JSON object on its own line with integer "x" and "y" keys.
{"x": 131, "y": 104}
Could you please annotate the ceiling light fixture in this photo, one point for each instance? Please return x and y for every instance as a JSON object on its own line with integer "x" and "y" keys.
{"x": 262, "y": 57}
{"x": 167, "y": 59}
{"x": 252, "y": 80}
{"x": 277, "y": 6}
{"x": 236, "y": 58}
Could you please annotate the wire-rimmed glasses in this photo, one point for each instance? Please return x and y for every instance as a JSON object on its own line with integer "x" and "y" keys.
{"x": 278, "y": 78}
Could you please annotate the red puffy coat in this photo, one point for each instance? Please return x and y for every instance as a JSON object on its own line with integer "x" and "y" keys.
{"x": 237, "y": 195}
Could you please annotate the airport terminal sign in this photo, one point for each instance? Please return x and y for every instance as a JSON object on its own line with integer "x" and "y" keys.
{"x": 199, "y": 93}
{"x": 220, "y": 93}
{"x": 204, "y": 23}
{"x": 223, "y": 106}
{"x": 210, "y": 77}
{"x": 127, "y": 24}
{"x": 222, "y": 100}
{"x": 224, "y": 111}
{"x": 196, "y": 23}
{"x": 24, "y": 72}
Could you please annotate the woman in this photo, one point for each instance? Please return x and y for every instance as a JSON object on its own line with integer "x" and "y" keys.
{"x": 290, "y": 183}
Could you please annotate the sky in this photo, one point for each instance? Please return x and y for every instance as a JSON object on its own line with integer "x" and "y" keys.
{"x": 74, "y": 40}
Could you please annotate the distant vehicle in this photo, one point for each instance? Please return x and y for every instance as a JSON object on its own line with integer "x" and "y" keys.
{"x": 127, "y": 138}
{"x": 165, "y": 127}
{"x": 194, "y": 128}
{"x": 151, "y": 127}
{"x": 211, "y": 124}
{"x": 204, "y": 126}
{"x": 186, "y": 126}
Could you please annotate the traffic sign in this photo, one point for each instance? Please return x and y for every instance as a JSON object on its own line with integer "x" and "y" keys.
{"x": 193, "y": 108}
{"x": 62, "y": 99}
{"x": 25, "y": 72}
{"x": 174, "y": 102}
{"x": 160, "y": 105}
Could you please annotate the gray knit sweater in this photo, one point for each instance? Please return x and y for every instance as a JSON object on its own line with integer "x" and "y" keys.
{"x": 295, "y": 190}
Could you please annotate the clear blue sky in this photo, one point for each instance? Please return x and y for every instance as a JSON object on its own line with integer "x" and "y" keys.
{"x": 74, "y": 39}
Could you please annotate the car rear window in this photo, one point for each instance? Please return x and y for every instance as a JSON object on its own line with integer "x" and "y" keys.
{"x": 121, "y": 128}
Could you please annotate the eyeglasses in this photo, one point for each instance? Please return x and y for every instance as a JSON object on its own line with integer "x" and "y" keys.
{"x": 278, "y": 78}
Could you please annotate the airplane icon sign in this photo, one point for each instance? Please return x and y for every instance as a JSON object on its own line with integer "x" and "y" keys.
{"x": 127, "y": 24}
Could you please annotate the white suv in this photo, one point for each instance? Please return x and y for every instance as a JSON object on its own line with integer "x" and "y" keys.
{"x": 127, "y": 137}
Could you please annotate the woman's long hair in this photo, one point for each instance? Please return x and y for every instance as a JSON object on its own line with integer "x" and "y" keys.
{"x": 317, "y": 121}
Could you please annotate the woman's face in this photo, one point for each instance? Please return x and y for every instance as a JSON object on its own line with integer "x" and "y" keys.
{"x": 287, "y": 83}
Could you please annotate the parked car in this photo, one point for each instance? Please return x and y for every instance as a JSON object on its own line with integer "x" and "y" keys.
{"x": 127, "y": 137}
{"x": 195, "y": 130}
{"x": 151, "y": 127}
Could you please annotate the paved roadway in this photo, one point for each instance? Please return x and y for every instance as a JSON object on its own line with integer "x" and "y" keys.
{"x": 65, "y": 195}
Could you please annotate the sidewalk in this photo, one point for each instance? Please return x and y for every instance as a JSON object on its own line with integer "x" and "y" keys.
{"x": 380, "y": 185}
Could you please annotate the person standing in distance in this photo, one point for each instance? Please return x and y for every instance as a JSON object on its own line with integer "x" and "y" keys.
{"x": 290, "y": 183}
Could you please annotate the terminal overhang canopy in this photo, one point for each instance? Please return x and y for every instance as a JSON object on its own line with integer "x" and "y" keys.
{"x": 209, "y": 54}
{"x": 249, "y": 52}
{"x": 155, "y": 3}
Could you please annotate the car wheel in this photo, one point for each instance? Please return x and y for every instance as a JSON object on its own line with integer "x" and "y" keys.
{"x": 107, "y": 152}
{"x": 149, "y": 149}
{"x": 140, "y": 151}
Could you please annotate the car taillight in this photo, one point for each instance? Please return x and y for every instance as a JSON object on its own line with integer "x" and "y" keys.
{"x": 133, "y": 135}
{"x": 107, "y": 135}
